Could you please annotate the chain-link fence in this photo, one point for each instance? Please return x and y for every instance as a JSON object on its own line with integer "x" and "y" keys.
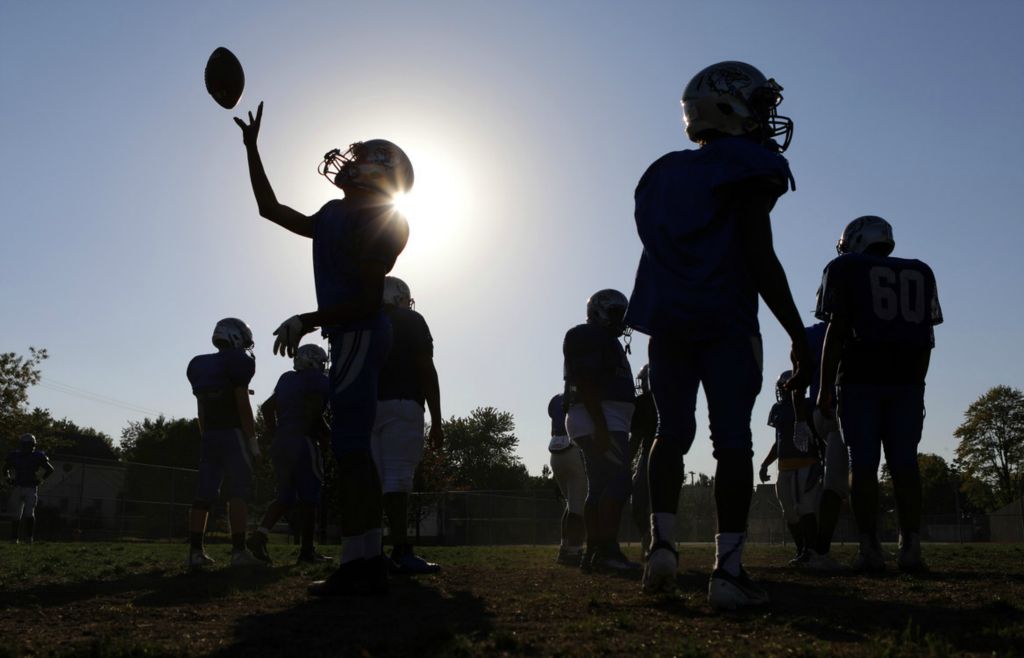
{"x": 107, "y": 500}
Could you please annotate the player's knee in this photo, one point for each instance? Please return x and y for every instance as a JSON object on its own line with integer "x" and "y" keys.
{"x": 619, "y": 487}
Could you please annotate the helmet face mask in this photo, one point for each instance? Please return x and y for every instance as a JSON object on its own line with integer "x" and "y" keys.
{"x": 397, "y": 293}
{"x": 865, "y": 232}
{"x": 310, "y": 357}
{"x": 780, "y": 392}
{"x": 376, "y": 165}
{"x": 643, "y": 380}
{"x": 734, "y": 98}
{"x": 607, "y": 308}
{"x": 233, "y": 333}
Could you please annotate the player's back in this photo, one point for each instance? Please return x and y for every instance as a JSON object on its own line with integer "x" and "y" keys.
{"x": 300, "y": 398}
{"x": 594, "y": 354}
{"x": 411, "y": 341}
{"x": 25, "y": 465}
{"x": 891, "y": 305}
{"x": 556, "y": 412}
{"x": 214, "y": 378}
{"x": 692, "y": 280}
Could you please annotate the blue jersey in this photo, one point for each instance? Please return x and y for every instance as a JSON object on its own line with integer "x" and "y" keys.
{"x": 593, "y": 354}
{"x": 300, "y": 398}
{"x": 556, "y": 412}
{"x": 25, "y": 465}
{"x": 214, "y": 378}
{"x": 345, "y": 237}
{"x": 891, "y": 305}
{"x": 816, "y": 341}
{"x": 411, "y": 342}
{"x": 692, "y": 281}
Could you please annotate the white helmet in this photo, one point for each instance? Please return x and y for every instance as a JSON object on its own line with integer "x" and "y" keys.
{"x": 310, "y": 357}
{"x": 734, "y": 98}
{"x": 607, "y": 308}
{"x": 27, "y": 442}
{"x": 232, "y": 332}
{"x": 376, "y": 164}
{"x": 863, "y": 232}
{"x": 397, "y": 293}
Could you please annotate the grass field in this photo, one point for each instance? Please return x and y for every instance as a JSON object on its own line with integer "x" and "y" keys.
{"x": 121, "y": 599}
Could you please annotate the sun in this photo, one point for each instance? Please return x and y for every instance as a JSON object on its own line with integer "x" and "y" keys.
{"x": 437, "y": 206}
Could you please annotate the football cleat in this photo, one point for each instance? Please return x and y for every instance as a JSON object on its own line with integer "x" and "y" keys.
{"x": 244, "y": 558}
{"x": 569, "y": 558}
{"x": 801, "y": 559}
{"x": 909, "y": 558}
{"x": 612, "y": 560}
{"x": 197, "y": 559}
{"x": 407, "y": 563}
{"x": 313, "y": 557}
{"x": 257, "y": 545}
{"x": 870, "y": 558}
{"x": 660, "y": 572}
{"x": 728, "y": 592}
{"x": 362, "y": 577}
{"x": 824, "y": 563}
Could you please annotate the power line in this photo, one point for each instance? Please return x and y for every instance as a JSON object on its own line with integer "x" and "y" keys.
{"x": 85, "y": 394}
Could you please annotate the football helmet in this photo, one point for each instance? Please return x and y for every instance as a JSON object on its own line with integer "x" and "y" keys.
{"x": 310, "y": 357}
{"x": 607, "y": 308}
{"x": 232, "y": 332}
{"x": 397, "y": 293}
{"x": 376, "y": 164}
{"x": 643, "y": 380}
{"x": 863, "y": 232}
{"x": 734, "y": 98}
{"x": 27, "y": 442}
{"x": 780, "y": 384}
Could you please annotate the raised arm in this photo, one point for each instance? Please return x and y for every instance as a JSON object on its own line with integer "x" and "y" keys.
{"x": 266, "y": 200}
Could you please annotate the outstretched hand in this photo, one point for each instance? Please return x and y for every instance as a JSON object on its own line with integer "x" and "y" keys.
{"x": 288, "y": 335}
{"x": 436, "y": 436}
{"x": 251, "y": 130}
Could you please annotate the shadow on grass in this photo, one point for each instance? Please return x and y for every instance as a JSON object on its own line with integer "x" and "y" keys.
{"x": 414, "y": 619}
{"x": 832, "y": 612}
{"x": 159, "y": 587}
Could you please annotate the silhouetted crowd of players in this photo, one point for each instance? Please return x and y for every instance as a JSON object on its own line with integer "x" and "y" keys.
{"x": 703, "y": 216}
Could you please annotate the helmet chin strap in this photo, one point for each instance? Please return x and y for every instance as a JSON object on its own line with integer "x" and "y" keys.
{"x": 627, "y": 338}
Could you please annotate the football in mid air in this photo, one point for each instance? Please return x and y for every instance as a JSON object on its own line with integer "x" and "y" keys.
{"x": 224, "y": 78}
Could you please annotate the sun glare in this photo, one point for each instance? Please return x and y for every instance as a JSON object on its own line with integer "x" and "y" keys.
{"x": 436, "y": 207}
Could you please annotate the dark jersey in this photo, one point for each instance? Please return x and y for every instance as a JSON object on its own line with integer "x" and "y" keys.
{"x": 300, "y": 398}
{"x": 556, "y": 412}
{"x": 891, "y": 305}
{"x": 644, "y": 424}
{"x": 816, "y": 341}
{"x": 344, "y": 237}
{"x": 400, "y": 378}
{"x": 693, "y": 280}
{"x": 593, "y": 355}
{"x": 214, "y": 378}
{"x": 25, "y": 465}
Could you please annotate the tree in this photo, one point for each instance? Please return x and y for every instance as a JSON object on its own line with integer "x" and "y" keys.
{"x": 17, "y": 374}
{"x": 481, "y": 451}
{"x": 991, "y": 448}
{"x": 938, "y": 484}
{"x": 162, "y": 442}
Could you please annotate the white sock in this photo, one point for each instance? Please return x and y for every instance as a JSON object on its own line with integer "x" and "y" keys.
{"x": 729, "y": 551}
{"x": 351, "y": 549}
{"x": 663, "y": 527}
{"x": 372, "y": 542}
{"x": 572, "y": 549}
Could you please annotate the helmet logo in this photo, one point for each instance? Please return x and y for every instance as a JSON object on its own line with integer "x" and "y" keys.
{"x": 725, "y": 80}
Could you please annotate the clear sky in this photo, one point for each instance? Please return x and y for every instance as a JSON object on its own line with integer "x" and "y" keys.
{"x": 129, "y": 227}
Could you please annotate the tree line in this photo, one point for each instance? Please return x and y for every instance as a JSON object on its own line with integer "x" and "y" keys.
{"x": 480, "y": 453}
